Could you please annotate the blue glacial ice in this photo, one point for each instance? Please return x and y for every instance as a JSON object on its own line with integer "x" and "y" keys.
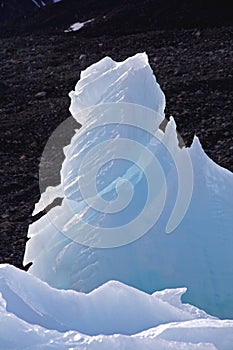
{"x": 184, "y": 237}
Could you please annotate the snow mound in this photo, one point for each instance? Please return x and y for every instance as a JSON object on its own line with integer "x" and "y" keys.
{"x": 65, "y": 245}
{"x": 35, "y": 315}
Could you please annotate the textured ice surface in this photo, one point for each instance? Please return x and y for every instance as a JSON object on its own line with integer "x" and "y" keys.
{"x": 34, "y": 315}
{"x": 197, "y": 254}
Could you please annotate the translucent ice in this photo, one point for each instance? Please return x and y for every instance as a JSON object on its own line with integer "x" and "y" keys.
{"x": 74, "y": 246}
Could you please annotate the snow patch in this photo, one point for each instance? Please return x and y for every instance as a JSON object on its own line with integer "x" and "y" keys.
{"x": 77, "y": 26}
{"x": 36, "y": 3}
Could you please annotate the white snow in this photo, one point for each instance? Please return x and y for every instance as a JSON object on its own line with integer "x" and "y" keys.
{"x": 92, "y": 289}
{"x": 36, "y": 3}
{"x": 77, "y": 26}
{"x": 43, "y": 3}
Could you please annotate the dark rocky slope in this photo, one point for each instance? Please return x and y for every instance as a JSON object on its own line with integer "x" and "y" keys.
{"x": 15, "y": 9}
{"x": 116, "y": 17}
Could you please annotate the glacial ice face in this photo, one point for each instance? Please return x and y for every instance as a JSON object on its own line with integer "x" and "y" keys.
{"x": 197, "y": 254}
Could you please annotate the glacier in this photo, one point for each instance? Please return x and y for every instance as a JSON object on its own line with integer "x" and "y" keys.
{"x": 139, "y": 253}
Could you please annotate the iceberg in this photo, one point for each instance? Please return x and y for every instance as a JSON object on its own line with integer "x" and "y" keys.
{"x": 136, "y": 207}
{"x": 140, "y": 248}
